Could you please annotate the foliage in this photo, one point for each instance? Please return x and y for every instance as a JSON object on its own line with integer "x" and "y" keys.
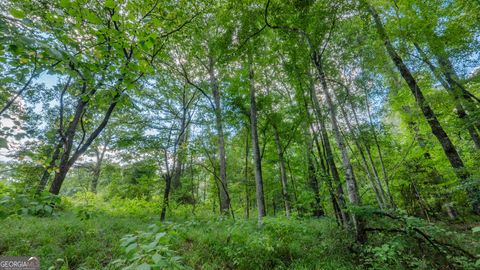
{"x": 15, "y": 203}
{"x": 149, "y": 250}
{"x": 355, "y": 125}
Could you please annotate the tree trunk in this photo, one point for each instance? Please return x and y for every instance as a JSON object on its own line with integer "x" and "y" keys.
{"x": 247, "y": 199}
{"x": 166, "y": 193}
{"x": 379, "y": 151}
{"x": 283, "y": 172}
{"x": 377, "y": 188}
{"x": 442, "y": 137}
{"x": 51, "y": 166}
{"x": 68, "y": 138}
{"x": 224, "y": 200}
{"x": 339, "y": 214}
{"x": 98, "y": 168}
{"x": 455, "y": 93}
{"x": 329, "y": 154}
{"x": 350, "y": 180}
{"x": 312, "y": 179}
{"x": 256, "y": 149}
{"x": 180, "y": 151}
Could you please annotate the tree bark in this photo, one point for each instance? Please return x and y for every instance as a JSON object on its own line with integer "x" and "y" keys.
{"x": 180, "y": 149}
{"x": 247, "y": 199}
{"x": 283, "y": 172}
{"x": 166, "y": 193}
{"x": 66, "y": 160}
{"x": 224, "y": 200}
{"x": 46, "y": 173}
{"x": 67, "y": 138}
{"x": 339, "y": 214}
{"x": 256, "y": 149}
{"x": 379, "y": 151}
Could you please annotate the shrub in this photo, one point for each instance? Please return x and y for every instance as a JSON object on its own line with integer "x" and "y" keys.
{"x": 148, "y": 250}
{"x": 42, "y": 205}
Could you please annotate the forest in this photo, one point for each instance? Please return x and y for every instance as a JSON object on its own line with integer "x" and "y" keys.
{"x": 251, "y": 134}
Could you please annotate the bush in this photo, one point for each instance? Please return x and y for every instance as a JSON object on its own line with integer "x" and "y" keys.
{"x": 42, "y": 205}
{"x": 148, "y": 250}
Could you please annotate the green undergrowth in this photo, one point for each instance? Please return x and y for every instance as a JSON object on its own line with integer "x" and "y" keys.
{"x": 70, "y": 240}
{"x": 67, "y": 240}
{"x": 88, "y": 232}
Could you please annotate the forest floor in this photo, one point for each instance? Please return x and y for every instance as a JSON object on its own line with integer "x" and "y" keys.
{"x": 128, "y": 235}
{"x": 69, "y": 241}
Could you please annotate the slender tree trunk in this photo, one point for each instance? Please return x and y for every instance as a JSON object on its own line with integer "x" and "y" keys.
{"x": 247, "y": 199}
{"x": 447, "y": 145}
{"x": 373, "y": 182}
{"x": 98, "y": 168}
{"x": 338, "y": 211}
{"x": 312, "y": 179}
{"x": 350, "y": 180}
{"x": 379, "y": 151}
{"x": 292, "y": 181}
{"x": 180, "y": 151}
{"x": 224, "y": 200}
{"x": 283, "y": 172}
{"x": 194, "y": 187}
{"x": 46, "y": 173}
{"x": 329, "y": 154}
{"x": 256, "y": 149}
{"x": 370, "y": 169}
{"x": 166, "y": 193}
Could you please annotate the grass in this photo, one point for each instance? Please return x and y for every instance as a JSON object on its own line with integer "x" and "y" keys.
{"x": 68, "y": 241}
{"x": 80, "y": 244}
{"x": 88, "y": 234}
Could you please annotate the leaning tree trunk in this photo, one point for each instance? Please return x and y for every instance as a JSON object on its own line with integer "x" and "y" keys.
{"x": 223, "y": 191}
{"x": 68, "y": 138}
{"x": 256, "y": 149}
{"x": 283, "y": 172}
{"x": 336, "y": 207}
{"x": 379, "y": 151}
{"x": 329, "y": 155}
{"x": 374, "y": 180}
{"x": 454, "y": 92}
{"x": 437, "y": 129}
{"x": 46, "y": 173}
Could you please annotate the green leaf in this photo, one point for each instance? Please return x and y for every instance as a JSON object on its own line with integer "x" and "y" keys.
{"x": 144, "y": 266}
{"x": 48, "y": 209}
{"x": 131, "y": 247}
{"x": 65, "y": 3}
{"x": 17, "y": 13}
{"x": 157, "y": 258}
{"x": 92, "y": 17}
{"x": 110, "y": 4}
{"x": 476, "y": 229}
